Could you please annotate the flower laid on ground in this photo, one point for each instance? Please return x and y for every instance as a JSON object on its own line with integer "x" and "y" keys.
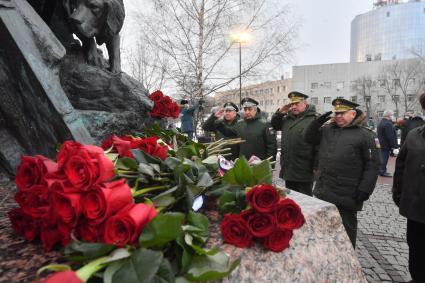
{"x": 123, "y": 210}
{"x": 270, "y": 219}
{"x": 164, "y": 106}
{"x": 124, "y": 144}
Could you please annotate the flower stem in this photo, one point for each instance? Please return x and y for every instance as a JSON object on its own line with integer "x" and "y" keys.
{"x": 85, "y": 272}
{"x": 147, "y": 190}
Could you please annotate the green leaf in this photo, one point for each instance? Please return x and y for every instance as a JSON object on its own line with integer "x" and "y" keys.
{"x": 110, "y": 271}
{"x": 181, "y": 280}
{"x": 172, "y": 162}
{"x": 141, "y": 267}
{"x": 205, "y": 180}
{"x": 146, "y": 169}
{"x": 233, "y": 201}
{"x": 165, "y": 273}
{"x": 208, "y": 268}
{"x": 185, "y": 254}
{"x": 262, "y": 173}
{"x": 166, "y": 198}
{"x": 129, "y": 163}
{"x": 243, "y": 173}
{"x": 143, "y": 157}
{"x": 161, "y": 230}
{"x": 198, "y": 220}
{"x": 211, "y": 160}
{"x": 79, "y": 251}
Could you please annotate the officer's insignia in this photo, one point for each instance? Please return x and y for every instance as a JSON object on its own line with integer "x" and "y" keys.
{"x": 271, "y": 130}
{"x": 377, "y": 144}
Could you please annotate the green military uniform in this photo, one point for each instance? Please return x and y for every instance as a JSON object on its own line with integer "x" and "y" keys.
{"x": 213, "y": 124}
{"x": 348, "y": 162}
{"x": 297, "y": 155}
{"x": 259, "y": 136}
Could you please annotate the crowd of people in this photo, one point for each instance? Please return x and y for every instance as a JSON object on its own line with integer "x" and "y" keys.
{"x": 339, "y": 153}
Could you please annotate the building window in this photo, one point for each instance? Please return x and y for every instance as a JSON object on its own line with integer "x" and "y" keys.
{"x": 396, "y": 82}
{"x": 367, "y": 99}
{"x": 314, "y": 85}
{"x": 381, "y": 98}
{"x": 354, "y": 99}
{"x": 388, "y": 14}
{"x": 410, "y": 97}
{"x": 278, "y": 89}
{"x": 368, "y": 57}
{"x": 396, "y": 98}
{"x": 327, "y": 99}
{"x": 328, "y": 84}
{"x": 284, "y": 87}
{"x": 271, "y": 90}
{"x": 380, "y": 114}
{"x": 314, "y": 100}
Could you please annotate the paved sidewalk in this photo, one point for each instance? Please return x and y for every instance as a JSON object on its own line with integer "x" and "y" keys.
{"x": 382, "y": 248}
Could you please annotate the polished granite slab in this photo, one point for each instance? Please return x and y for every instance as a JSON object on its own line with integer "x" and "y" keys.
{"x": 320, "y": 251}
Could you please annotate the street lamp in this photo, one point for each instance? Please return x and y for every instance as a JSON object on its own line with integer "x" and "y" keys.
{"x": 240, "y": 37}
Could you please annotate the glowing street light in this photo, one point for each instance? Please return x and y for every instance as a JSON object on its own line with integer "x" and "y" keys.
{"x": 241, "y": 37}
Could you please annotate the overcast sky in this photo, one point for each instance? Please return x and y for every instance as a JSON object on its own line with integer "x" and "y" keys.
{"x": 325, "y": 33}
{"x": 324, "y": 36}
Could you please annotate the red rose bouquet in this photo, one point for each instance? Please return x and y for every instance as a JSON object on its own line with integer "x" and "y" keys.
{"x": 163, "y": 106}
{"x": 269, "y": 218}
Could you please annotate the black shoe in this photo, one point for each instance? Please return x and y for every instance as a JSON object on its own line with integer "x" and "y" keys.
{"x": 386, "y": 174}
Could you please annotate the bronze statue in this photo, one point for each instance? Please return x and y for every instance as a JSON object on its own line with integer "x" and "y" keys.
{"x": 101, "y": 20}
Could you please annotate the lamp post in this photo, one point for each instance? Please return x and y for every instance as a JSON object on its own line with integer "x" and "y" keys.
{"x": 240, "y": 37}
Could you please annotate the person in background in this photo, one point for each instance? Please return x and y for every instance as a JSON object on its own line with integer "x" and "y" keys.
{"x": 409, "y": 195}
{"x": 259, "y": 136}
{"x": 387, "y": 139}
{"x": 348, "y": 161}
{"x": 413, "y": 122}
{"x": 186, "y": 118}
{"x": 370, "y": 124}
{"x": 228, "y": 116}
{"x": 297, "y": 156}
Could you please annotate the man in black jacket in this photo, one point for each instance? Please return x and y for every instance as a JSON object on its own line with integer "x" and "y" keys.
{"x": 388, "y": 140}
{"x": 225, "y": 117}
{"x": 413, "y": 122}
{"x": 409, "y": 196}
{"x": 348, "y": 161}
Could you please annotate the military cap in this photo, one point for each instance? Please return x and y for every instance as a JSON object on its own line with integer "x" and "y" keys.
{"x": 342, "y": 105}
{"x": 249, "y": 102}
{"x": 184, "y": 101}
{"x": 296, "y": 96}
{"x": 230, "y": 106}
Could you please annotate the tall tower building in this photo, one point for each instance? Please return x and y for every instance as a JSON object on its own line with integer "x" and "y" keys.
{"x": 390, "y": 31}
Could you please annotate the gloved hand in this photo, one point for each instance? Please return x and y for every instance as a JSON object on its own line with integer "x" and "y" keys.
{"x": 361, "y": 196}
{"x": 324, "y": 117}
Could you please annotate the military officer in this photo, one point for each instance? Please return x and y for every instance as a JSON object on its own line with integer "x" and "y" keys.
{"x": 259, "y": 136}
{"x": 348, "y": 161}
{"x": 297, "y": 155}
{"x": 228, "y": 117}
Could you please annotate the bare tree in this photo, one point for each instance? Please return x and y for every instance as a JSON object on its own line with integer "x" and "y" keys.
{"x": 405, "y": 80}
{"x": 193, "y": 37}
{"x": 363, "y": 87}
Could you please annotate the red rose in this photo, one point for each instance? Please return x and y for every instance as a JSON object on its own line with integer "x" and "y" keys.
{"x": 24, "y": 224}
{"x": 85, "y": 166}
{"x": 106, "y": 199}
{"x": 122, "y": 145}
{"x": 263, "y": 197}
{"x": 288, "y": 214}
{"x": 34, "y": 202}
{"x": 53, "y": 233}
{"x": 66, "y": 206}
{"x": 235, "y": 231}
{"x": 66, "y": 276}
{"x": 175, "y": 110}
{"x": 259, "y": 224}
{"x": 156, "y": 96}
{"x": 278, "y": 240}
{"x": 32, "y": 171}
{"x": 126, "y": 226}
{"x": 151, "y": 146}
{"x": 88, "y": 232}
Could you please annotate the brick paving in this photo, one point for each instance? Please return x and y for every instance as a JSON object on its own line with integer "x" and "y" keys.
{"x": 382, "y": 248}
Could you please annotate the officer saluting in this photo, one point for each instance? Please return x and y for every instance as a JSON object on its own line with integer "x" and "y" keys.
{"x": 348, "y": 161}
{"x": 259, "y": 136}
{"x": 297, "y": 156}
{"x": 225, "y": 117}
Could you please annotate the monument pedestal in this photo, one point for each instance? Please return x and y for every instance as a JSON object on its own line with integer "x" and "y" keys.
{"x": 320, "y": 251}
